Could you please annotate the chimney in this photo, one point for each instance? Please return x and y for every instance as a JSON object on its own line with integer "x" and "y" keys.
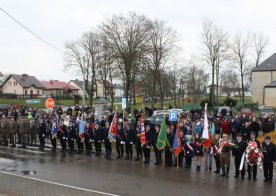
{"x": 24, "y": 76}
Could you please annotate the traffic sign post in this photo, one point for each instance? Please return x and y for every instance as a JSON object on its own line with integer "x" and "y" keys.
{"x": 50, "y": 103}
{"x": 124, "y": 105}
{"x": 173, "y": 116}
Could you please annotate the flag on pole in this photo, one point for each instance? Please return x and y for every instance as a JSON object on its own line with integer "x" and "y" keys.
{"x": 143, "y": 133}
{"x": 162, "y": 137}
{"x": 177, "y": 148}
{"x": 206, "y": 137}
{"x": 81, "y": 128}
{"x": 113, "y": 129}
{"x": 54, "y": 127}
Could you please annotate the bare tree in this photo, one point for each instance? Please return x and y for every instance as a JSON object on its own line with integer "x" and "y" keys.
{"x": 127, "y": 37}
{"x": 260, "y": 42}
{"x": 162, "y": 50}
{"x": 240, "y": 48}
{"x": 229, "y": 81}
{"x": 214, "y": 41}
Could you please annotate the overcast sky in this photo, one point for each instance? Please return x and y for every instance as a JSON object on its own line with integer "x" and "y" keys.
{"x": 58, "y": 21}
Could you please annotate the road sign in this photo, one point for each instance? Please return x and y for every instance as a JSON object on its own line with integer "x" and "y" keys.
{"x": 33, "y": 101}
{"x": 173, "y": 116}
{"x": 139, "y": 99}
{"x": 124, "y": 103}
{"x": 50, "y": 103}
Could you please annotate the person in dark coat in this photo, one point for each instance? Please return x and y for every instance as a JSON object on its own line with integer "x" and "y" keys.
{"x": 269, "y": 152}
{"x": 198, "y": 151}
{"x": 79, "y": 140}
{"x": 129, "y": 136}
{"x": 41, "y": 133}
{"x": 98, "y": 135}
{"x": 147, "y": 145}
{"x": 71, "y": 136}
{"x": 120, "y": 141}
{"x": 154, "y": 142}
{"x": 269, "y": 125}
{"x": 237, "y": 152}
{"x": 62, "y": 135}
{"x": 107, "y": 143}
{"x": 253, "y": 169}
{"x": 138, "y": 147}
{"x": 169, "y": 143}
{"x": 88, "y": 137}
{"x": 255, "y": 127}
{"x": 245, "y": 131}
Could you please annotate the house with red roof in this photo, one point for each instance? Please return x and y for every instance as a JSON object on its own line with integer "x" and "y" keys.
{"x": 55, "y": 88}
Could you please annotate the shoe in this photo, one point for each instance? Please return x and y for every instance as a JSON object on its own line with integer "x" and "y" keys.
{"x": 223, "y": 172}
{"x": 227, "y": 173}
{"x": 270, "y": 181}
{"x": 236, "y": 176}
{"x": 242, "y": 177}
{"x": 137, "y": 159}
{"x": 156, "y": 163}
{"x": 266, "y": 180}
{"x": 255, "y": 179}
{"x": 249, "y": 178}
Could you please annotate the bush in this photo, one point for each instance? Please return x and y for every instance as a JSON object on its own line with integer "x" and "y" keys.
{"x": 251, "y": 105}
{"x": 230, "y": 102}
{"x": 202, "y": 103}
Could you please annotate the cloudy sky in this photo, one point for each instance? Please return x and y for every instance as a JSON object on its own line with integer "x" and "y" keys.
{"x": 58, "y": 21}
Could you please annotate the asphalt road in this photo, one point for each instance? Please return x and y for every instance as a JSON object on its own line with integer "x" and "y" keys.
{"x": 31, "y": 172}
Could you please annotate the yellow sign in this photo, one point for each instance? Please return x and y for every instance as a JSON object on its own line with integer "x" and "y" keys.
{"x": 138, "y": 99}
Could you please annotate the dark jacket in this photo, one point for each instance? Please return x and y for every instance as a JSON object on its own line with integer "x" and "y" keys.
{"x": 239, "y": 148}
{"x": 72, "y": 132}
{"x": 98, "y": 135}
{"x": 269, "y": 152}
{"x": 42, "y": 128}
{"x": 129, "y": 135}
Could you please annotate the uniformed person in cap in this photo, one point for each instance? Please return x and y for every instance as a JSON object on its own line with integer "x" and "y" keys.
{"x": 62, "y": 135}
{"x": 269, "y": 152}
{"x": 120, "y": 141}
{"x": 238, "y": 150}
{"x": 71, "y": 136}
{"x": 129, "y": 135}
{"x": 225, "y": 156}
{"x": 253, "y": 169}
{"x": 41, "y": 133}
{"x": 154, "y": 142}
{"x": 147, "y": 145}
{"x": 107, "y": 142}
{"x": 98, "y": 135}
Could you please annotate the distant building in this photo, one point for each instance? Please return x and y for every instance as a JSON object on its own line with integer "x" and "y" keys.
{"x": 264, "y": 82}
{"x": 22, "y": 86}
{"x": 77, "y": 84}
{"x": 55, "y": 88}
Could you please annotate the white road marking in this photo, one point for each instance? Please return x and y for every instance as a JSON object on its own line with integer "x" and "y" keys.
{"x": 4, "y": 160}
{"x": 59, "y": 184}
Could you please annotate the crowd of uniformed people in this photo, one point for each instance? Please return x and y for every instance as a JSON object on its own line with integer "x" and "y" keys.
{"x": 20, "y": 126}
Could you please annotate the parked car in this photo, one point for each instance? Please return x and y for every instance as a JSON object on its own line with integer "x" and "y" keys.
{"x": 154, "y": 120}
{"x": 267, "y": 111}
{"x": 176, "y": 110}
{"x": 43, "y": 96}
{"x": 247, "y": 112}
{"x": 159, "y": 112}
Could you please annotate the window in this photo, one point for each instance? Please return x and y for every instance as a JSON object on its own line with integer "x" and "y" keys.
{"x": 37, "y": 93}
{"x": 15, "y": 83}
{"x": 14, "y": 91}
{"x": 26, "y": 92}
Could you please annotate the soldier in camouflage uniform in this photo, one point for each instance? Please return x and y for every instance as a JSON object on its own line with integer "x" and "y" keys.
{"x": 12, "y": 131}
{"x": 5, "y": 128}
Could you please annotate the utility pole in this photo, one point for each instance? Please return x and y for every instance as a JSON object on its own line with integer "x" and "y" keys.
{"x": 83, "y": 82}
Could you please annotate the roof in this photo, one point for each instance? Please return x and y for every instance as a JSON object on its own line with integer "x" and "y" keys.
{"x": 271, "y": 85}
{"x": 107, "y": 83}
{"x": 25, "y": 80}
{"x": 268, "y": 65}
{"x": 77, "y": 82}
{"x": 1, "y": 75}
{"x": 57, "y": 85}
{"x": 102, "y": 101}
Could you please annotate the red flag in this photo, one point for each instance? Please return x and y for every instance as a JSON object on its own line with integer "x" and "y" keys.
{"x": 177, "y": 148}
{"x": 143, "y": 133}
{"x": 207, "y": 143}
{"x": 113, "y": 127}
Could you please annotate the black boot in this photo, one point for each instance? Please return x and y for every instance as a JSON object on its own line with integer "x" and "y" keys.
{"x": 227, "y": 173}
{"x": 223, "y": 172}
{"x": 217, "y": 171}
